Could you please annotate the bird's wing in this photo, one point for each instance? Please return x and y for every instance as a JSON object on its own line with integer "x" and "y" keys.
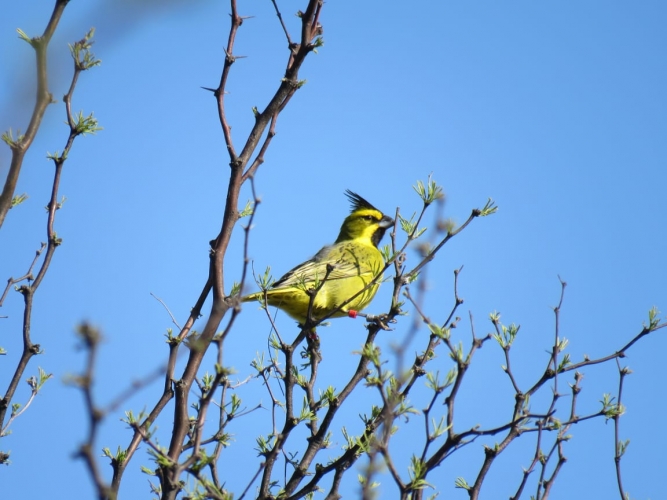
{"x": 344, "y": 266}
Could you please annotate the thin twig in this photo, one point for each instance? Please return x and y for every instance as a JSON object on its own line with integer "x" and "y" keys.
{"x": 173, "y": 319}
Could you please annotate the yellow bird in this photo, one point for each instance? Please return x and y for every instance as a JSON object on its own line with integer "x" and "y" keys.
{"x": 343, "y": 269}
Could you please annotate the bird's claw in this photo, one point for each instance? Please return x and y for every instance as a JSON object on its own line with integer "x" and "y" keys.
{"x": 313, "y": 339}
{"x": 381, "y": 321}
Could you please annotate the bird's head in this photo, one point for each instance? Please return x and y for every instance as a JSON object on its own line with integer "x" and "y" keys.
{"x": 365, "y": 222}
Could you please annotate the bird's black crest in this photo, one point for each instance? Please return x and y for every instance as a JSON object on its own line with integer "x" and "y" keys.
{"x": 357, "y": 201}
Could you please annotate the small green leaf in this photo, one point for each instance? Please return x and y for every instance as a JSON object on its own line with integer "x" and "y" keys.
{"x": 247, "y": 210}
{"x": 85, "y": 124}
{"x": 23, "y": 36}
{"x": 461, "y": 483}
{"x": 429, "y": 192}
{"x": 18, "y": 199}
{"x": 653, "y": 319}
{"x": 84, "y": 59}
{"x": 489, "y": 208}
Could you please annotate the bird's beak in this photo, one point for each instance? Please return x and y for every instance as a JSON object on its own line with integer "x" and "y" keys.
{"x": 386, "y": 222}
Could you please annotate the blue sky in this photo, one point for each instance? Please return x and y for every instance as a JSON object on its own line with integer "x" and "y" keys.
{"x": 555, "y": 110}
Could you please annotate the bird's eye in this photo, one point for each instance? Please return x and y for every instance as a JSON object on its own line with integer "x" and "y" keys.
{"x": 369, "y": 217}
